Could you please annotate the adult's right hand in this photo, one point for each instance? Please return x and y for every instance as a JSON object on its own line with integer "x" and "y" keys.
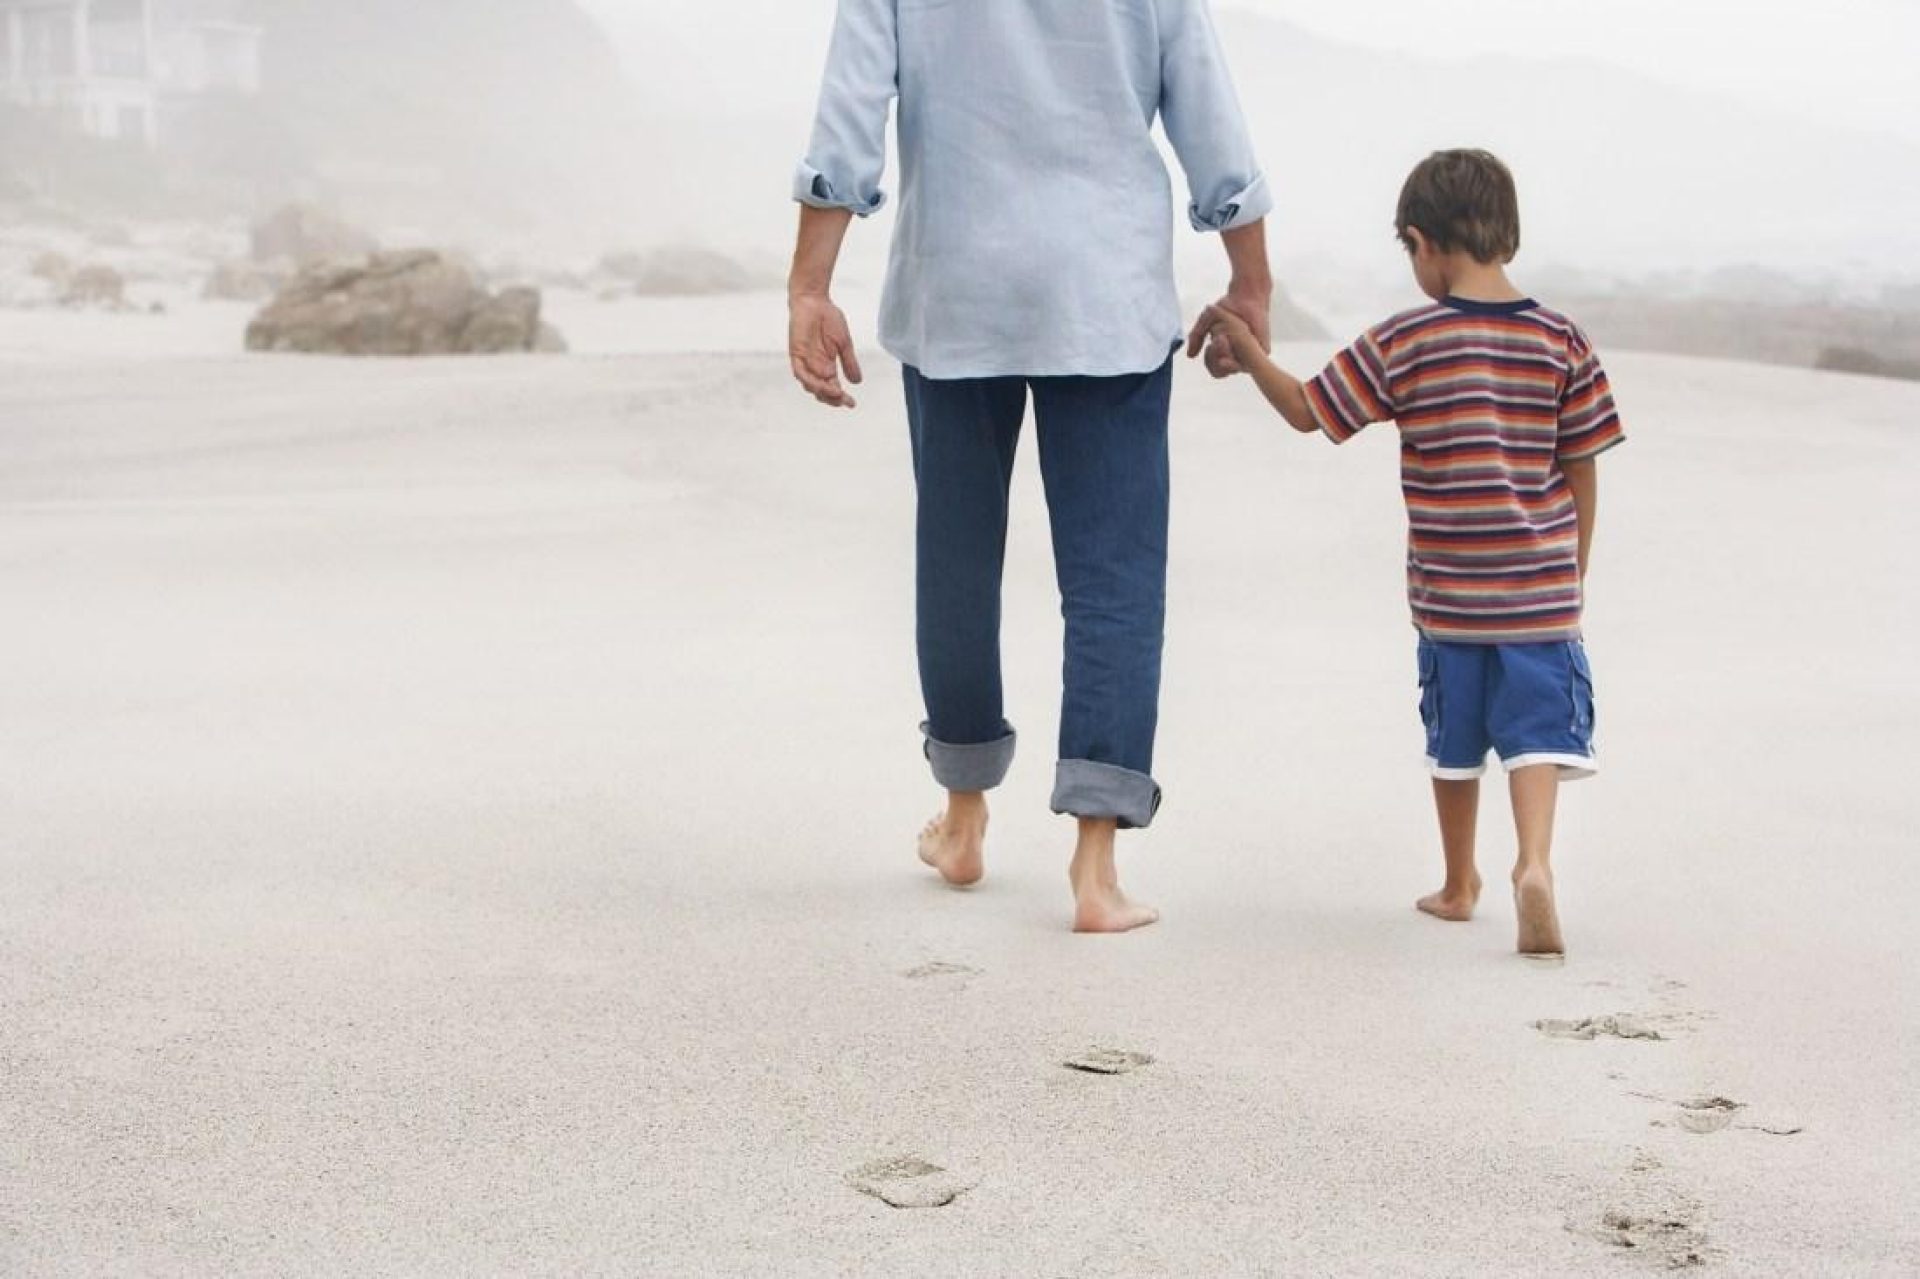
{"x": 820, "y": 346}
{"x": 1252, "y": 307}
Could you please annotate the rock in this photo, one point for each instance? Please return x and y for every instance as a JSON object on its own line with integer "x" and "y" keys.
{"x": 239, "y": 281}
{"x": 95, "y": 286}
{"x": 55, "y": 268}
{"x": 305, "y": 234}
{"x": 550, "y": 341}
{"x": 419, "y": 302}
{"x": 678, "y": 273}
{"x": 507, "y": 321}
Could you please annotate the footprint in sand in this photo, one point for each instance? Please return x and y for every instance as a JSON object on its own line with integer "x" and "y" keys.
{"x": 1108, "y": 1061}
{"x": 939, "y": 968}
{"x": 1706, "y": 1114}
{"x": 908, "y": 1182}
{"x": 1650, "y": 1220}
{"x": 1618, "y": 1026}
{"x": 1663, "y": 1237}
{"x": 1702, "y": 1115}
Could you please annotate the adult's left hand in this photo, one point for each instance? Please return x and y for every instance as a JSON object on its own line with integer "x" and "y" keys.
{"x": 820, "y": 347}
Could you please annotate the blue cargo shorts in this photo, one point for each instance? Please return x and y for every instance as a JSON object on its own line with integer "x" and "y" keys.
{"x": 1529, "y": 703}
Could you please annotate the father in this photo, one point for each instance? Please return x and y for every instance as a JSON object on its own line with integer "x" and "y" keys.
{"x": 1033, "y": 259}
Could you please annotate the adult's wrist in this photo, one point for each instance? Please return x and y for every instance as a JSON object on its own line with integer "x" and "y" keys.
{"x": 1251, "y": 288}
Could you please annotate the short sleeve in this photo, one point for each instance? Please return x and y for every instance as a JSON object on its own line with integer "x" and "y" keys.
{"x": 1589, "y": 420}
{"x": 1354, "y": 391}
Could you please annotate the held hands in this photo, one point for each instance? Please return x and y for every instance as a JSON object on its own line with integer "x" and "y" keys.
{"x": 1235, "y": 332}
{"x": 820, "y": 347}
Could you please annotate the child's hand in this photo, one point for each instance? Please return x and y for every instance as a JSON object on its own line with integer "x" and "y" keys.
{"x": 1231, "y": 329}
{"x": 1224, "y": 326}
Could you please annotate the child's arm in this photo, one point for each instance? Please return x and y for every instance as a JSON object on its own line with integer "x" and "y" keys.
{"x": 1583, "y": 479}
{"x": 1283, "y": 390}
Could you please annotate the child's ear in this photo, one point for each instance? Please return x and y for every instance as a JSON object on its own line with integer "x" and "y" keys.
{"x": 1418, "y": 245}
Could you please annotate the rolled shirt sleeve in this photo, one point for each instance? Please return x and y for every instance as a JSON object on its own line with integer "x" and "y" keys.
{"x": 1203, "y": 119}
{"x": 847, "y": 158}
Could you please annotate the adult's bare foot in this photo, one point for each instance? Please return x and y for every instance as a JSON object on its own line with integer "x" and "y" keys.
{"x": 1539, "y": 919}
{"x": 1453, "y": 904}
{"x": 1098, "y": 904}
{"x": 1105, "y": 909}
{"x": 954, "y": 844}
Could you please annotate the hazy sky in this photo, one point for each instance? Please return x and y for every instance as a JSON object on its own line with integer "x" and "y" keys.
{"x": 1849, "y": 61}
{"x": 1845, "y": 61}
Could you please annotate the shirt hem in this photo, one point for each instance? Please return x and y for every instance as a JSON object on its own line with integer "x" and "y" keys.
{"x": 1490, "y": 638}
{"x": 938, "y": 369}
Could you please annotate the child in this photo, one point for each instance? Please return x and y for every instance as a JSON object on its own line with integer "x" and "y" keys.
{"x": 1502, "y": 407}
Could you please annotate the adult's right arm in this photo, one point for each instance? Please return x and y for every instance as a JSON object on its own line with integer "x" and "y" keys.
{"x": 1204, "y": 121}
{"x": 840, "y": 177}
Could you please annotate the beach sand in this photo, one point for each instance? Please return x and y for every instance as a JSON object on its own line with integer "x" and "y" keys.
{"x": 459, "y": 818}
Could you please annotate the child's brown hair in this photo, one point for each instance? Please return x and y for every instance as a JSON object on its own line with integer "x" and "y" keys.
{"x": 1463, "y": 201}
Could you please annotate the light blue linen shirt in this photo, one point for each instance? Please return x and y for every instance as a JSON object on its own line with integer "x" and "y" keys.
{"x": 1035, "y": 233}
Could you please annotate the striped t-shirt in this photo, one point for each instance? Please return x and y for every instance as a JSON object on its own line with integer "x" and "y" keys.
{"x": 1490, "y": 398}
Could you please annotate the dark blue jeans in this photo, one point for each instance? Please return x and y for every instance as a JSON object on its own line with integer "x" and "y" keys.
{"x": 1103, "y": 456}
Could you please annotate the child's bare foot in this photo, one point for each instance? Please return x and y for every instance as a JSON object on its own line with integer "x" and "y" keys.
{"x": 1539, "y": 920}
{"x": 954, "y": 844}
{"x": 1455, "y": 905}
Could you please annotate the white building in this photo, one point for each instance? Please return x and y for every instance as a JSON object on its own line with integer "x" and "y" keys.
{"x": 111, "y": 67}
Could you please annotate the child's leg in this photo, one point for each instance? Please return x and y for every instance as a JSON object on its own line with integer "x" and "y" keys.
{"x": 1542, "y": 714}
{"x": 1453, "y": 689}
{"x": 1536, "y": 790}
{"x": 1458, "y": 803}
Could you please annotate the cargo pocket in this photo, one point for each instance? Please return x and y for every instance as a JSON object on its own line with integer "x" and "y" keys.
{"x": 1430, "y": 696}
{"x": 1584, "y": 717}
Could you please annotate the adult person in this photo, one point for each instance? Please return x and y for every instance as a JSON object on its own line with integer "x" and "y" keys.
{"x": 1033, "y": 259}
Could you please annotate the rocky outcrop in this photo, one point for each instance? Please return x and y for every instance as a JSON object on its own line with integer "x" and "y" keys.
{"x": 241, "y": 282}
{"x": 676, "y": 273}
{"x": 303, "y": 235}
{"x": 96, "y": 286}
{"x": 507, "y": 321}
{"x": 55, "y": 268}
{"x": 413, "y": 303}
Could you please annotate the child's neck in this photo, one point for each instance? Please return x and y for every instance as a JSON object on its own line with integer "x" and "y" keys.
{"x": 1473, "y": 281}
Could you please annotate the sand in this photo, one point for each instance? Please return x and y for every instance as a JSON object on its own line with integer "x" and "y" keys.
{"x": 459, "y": 818}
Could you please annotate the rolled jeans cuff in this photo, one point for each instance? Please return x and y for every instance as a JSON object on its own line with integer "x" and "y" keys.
{"x": 1084, "y": 788}
{"x": 966, "y": 769}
